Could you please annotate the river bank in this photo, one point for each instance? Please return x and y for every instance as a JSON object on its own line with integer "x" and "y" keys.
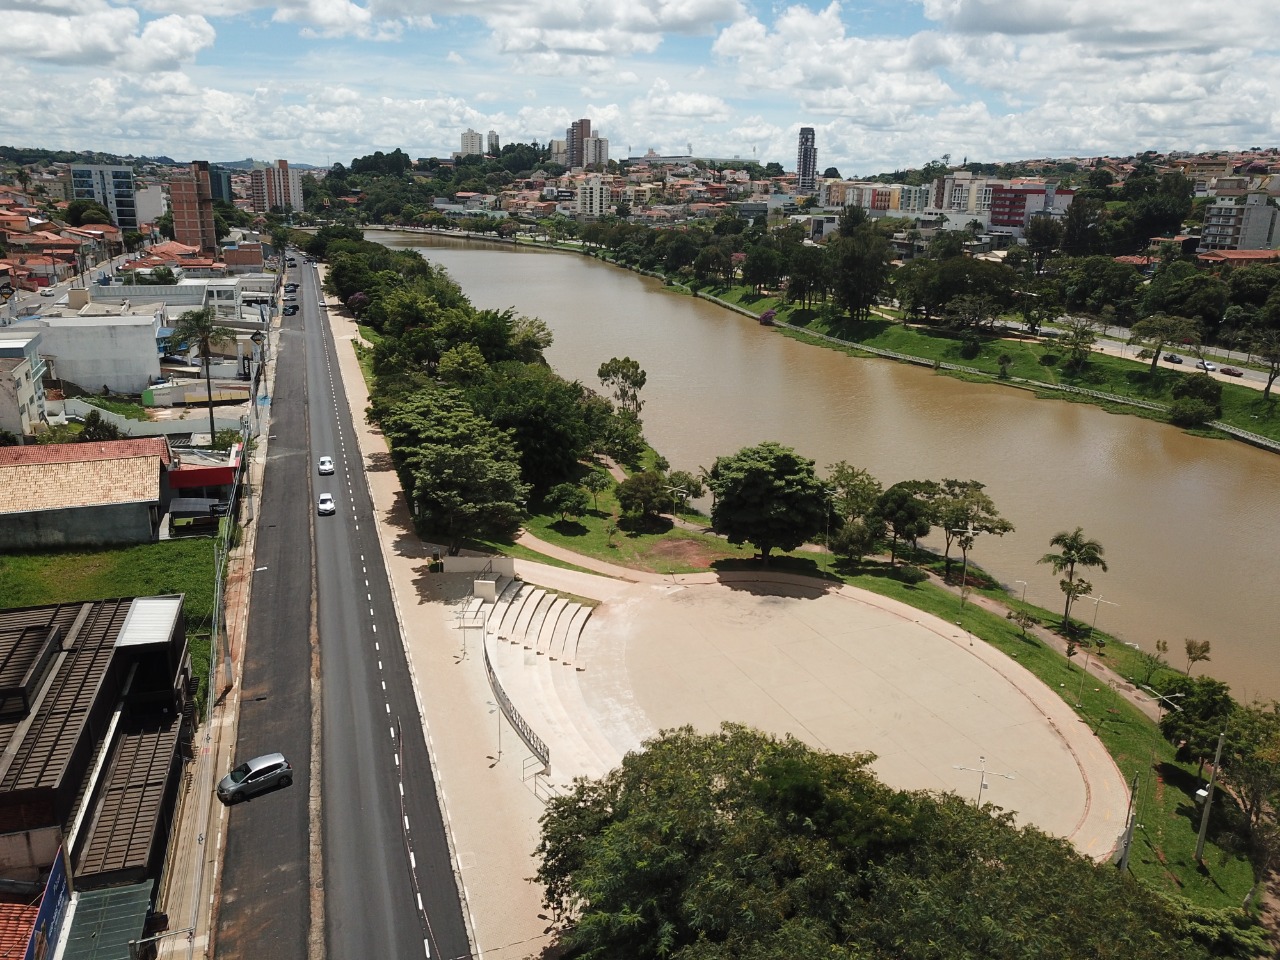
{"x": 718, "y": 382}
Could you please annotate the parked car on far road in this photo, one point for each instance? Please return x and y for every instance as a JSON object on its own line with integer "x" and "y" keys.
{"x": 1232, "y": 372}
{"x": 1172, "y": 358}
{"x": 1206, "y": 365}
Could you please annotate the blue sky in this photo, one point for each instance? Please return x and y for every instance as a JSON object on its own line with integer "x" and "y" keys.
{"x": 885, "y": 84}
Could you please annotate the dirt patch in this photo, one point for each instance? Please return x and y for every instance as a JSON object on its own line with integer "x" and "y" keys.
{"x": 685, "y": 552}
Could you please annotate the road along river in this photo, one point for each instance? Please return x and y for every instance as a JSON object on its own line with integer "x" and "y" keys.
{"x": 1190, "y": 526}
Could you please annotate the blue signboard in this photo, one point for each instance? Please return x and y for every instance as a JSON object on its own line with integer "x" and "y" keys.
{"x": 53, "y": 910}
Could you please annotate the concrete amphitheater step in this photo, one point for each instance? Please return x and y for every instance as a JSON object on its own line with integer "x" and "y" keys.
{"x": 520, "y": 628}
{"x": 596, "y": 747}
{"x": 545, "y": 626}
{"x": 573, "y": 634}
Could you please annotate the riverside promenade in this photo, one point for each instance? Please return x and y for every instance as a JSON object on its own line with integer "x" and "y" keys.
{"x": 839, "y": 668}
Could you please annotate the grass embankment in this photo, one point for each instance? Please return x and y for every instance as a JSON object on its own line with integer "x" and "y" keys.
{"x": 1031, "y": 359}
{"x": 1162, "y": 854}
{"x": 35, "y": 578}
{"x": 122, "y": 408}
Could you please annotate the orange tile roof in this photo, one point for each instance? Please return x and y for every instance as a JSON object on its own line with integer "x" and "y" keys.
{"x": 82, "y": 452}
{"x": 17, "y": 922}
{"x": 59, "y": 477}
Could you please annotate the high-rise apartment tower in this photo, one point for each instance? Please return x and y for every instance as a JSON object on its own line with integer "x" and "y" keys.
{"x": 806, "y": 163}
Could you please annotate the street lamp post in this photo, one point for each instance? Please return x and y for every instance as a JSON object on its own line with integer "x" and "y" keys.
{"x": 982, "y": 782}
{"x": 1024, "y": 590}
{"x": 1097, "y": 604}
{"x": 1208, "y": 800}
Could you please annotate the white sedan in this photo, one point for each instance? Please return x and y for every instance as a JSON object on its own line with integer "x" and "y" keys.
{"x": 1206, "y": 365}
{"x": 325, "y": 466}
{"x": 325, "y": 505}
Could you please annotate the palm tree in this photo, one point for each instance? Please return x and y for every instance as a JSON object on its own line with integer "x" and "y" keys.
{"x": 197, "y": 328}
{"x": 1076, "y": 550}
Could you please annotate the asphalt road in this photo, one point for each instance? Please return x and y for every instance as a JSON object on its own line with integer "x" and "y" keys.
{"x": 264, "y": 909}
{"x": 387, "y": 876}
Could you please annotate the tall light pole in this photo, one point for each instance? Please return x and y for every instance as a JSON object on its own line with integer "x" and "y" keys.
{"x": 1208, "y": 800}
{"x": 982, "y": 782}
{"x": 1097, "y": 604}
{"x": 1024, "y": 590}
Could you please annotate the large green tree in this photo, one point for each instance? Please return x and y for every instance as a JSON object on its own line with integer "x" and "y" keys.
{"x": 460, "y": 473}
{"x": 859, "y": 269}
{"x": 626, "y": 379}
{"x": 768, "y": 495}
{"x": 964, "y": 511}
{"x": 200, "y": 330}
{"x": 1155, "y": 331}
{"x": 1201, "y": 710}
{"x": 740, "y": 846}
{"x": 906, "y": 509}
{"x": 1074, "y": 550}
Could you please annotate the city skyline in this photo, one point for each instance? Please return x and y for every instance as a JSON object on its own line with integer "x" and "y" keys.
{"x": 884, "y": 85}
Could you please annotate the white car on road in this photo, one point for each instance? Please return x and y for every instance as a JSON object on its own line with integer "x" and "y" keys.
{"x": 325, "y": 505}
{"x": 325, "y": 466}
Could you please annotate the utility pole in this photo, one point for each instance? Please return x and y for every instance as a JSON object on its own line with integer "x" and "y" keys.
{"x": 1130, "y": 820}
{"x": 1208, "y": 800}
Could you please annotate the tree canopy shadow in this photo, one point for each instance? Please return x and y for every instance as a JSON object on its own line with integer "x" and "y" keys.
{"x": 570, "y": 528}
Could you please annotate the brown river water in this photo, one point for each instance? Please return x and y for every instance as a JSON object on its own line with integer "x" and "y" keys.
{"x": 1189, "y": 525}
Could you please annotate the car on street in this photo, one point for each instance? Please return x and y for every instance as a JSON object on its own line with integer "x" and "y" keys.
{"x": 325, "y": 505}
{"x": 255, "y": 776}
{"x": 48, "y": 292}
{"x": 1172, "y": 358}
{"x": 290, "y": 309}
{"x": 290, "y": 287}
{"x": 1232, "y": 371}
{"x": 290, "y": 298}
{"x": 325, "y": 466}
{"x": 1206, "y": 365}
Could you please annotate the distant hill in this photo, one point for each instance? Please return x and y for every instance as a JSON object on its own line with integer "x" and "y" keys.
{"x": 252, "y": 164}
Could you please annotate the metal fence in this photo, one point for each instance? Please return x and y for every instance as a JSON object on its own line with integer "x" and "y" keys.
{"x": 518, "y": 723}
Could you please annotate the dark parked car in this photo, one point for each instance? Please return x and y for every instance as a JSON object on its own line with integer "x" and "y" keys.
{"x": 1232, "y": 372}
{"x": 255, "y": 776}
{"x": 1172, "y": 358}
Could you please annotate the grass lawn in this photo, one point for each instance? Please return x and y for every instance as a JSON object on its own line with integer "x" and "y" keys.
{"x": 172, "y": 566}
{"x": 1162, "y": 854}
{"x": 123, "y": 408}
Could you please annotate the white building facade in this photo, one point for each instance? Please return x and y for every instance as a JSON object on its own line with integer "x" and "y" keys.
{"x": 111, "y": 186}
{"x": 22, "y": 401}
{"x": 594, "y": 194}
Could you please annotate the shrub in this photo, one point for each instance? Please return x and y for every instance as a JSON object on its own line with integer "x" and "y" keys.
{"x": 970, "y": 347}
{"x": 1190, "y": 412}
{"x": 909, "y": 575}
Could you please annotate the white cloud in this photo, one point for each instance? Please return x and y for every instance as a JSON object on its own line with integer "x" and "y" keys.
{"x": 315, "y": 80}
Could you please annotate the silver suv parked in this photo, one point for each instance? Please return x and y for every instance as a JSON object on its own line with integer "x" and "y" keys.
{"x": 255, "y": 776}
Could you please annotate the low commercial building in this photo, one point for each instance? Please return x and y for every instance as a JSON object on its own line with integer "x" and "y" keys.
{"x": 84, "y": 494}
{"x": 94, "y": 731}
{"x": 96, "y": 348}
